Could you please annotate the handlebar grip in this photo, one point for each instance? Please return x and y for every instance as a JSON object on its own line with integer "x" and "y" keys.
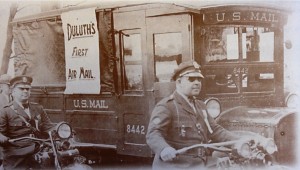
{"x": 11, "y": 140}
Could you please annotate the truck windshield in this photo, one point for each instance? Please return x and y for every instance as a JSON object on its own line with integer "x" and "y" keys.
{"x": 222, "y": 44}
{"x": 238, "y": 59}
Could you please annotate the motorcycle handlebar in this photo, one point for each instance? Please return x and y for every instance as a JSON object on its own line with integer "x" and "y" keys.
{"x": 28, "y": 138}
{"x": 211, "y": 145}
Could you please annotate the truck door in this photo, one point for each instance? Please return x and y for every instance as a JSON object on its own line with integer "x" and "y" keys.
{"x": 168, "y": 44}
{"x": 133, "y": 95}
{"x": 148, "y": 52}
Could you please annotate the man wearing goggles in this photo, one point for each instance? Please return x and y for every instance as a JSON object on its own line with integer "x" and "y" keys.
{"x": 181, "y": 120}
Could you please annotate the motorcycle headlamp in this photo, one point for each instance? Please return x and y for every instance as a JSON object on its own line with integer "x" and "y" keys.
{"x": 243, "y": 149}
{"x": 64, "y": 130}
{"x": 213, "y": 107}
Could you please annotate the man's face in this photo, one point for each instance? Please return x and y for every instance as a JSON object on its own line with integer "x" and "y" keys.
{"x": 190, "y": 85}
{"x": 21, "y": 93}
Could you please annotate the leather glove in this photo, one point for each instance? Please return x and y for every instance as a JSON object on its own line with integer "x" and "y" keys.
{"x": 3, "y": 139}
{"x": 168, "y": 154}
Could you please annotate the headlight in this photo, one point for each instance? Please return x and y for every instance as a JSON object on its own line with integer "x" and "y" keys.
{"x": 64, "y": 130}
{"x": 243, "y": 149}
{"x": 292, "y": 100}
{"x": 213, "y": 107}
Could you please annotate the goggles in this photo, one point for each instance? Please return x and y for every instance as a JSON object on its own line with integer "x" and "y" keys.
{"x": 192, "y": 79}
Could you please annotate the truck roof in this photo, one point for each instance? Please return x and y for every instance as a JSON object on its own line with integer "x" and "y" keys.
{"x": 162, "y": 8}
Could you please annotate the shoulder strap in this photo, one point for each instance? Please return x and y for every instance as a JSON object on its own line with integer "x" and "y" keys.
{"x": 25, "y": 121}
{"x": 181, "y": 130}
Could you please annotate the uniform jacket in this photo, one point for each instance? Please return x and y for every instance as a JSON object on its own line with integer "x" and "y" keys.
{"x": 174, "y": 123}
{"x": 12, "y": 126}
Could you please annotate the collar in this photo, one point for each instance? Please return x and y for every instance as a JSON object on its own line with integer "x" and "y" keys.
{"x": 186, "y": 98}
{"x": 184, "y": 101}
{"x": 20, "y": 104}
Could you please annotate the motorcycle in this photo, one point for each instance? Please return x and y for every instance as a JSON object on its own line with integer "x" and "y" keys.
{"x": 240, "y": 154}
{"x": 57, "y": 150}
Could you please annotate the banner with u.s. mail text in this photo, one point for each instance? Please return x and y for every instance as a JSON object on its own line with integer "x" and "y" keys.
{"x": 81, "y": 52}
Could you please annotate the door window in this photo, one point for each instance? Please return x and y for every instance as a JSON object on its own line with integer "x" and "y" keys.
{"x": 132, "y": 64}
{"x": 167, "y": 55}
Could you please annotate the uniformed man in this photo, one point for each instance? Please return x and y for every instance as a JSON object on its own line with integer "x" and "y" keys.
{"x": 18, "y": 119}
{"x": 181, "y": 120}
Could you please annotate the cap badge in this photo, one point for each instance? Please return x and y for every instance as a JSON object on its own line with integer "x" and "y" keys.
{"x": 25, "y": 79}
{"x": 196, "y": 65}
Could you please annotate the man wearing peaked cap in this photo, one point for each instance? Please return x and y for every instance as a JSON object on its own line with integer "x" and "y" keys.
{"x": 26, "y": 119}
{"x": 181, "y": 120}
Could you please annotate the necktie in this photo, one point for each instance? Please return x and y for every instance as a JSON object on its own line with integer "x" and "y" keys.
{"x": 191, "y": 100}
{"x": 26, "y": 109}
{"x": 192, "y": 103}
{"x": 25, "y": 105}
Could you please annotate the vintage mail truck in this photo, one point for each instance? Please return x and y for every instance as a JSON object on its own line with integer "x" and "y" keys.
{"x": 102, "y": 68}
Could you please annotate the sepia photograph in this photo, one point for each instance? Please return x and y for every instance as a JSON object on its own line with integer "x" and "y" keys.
{"x": 149, "y": 84}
